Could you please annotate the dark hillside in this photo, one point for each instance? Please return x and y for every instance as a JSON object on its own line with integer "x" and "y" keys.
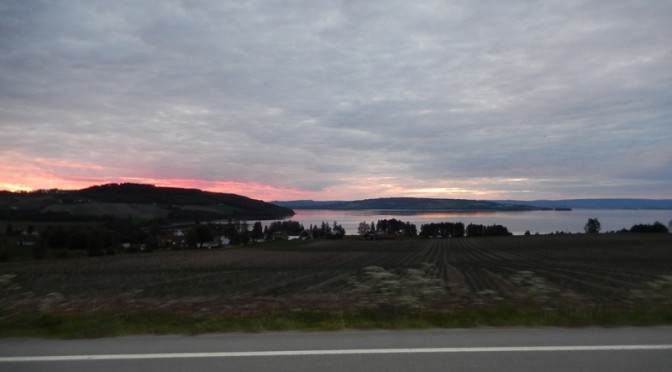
{"x": 148, "y": 194}
{"x": 597, "y": 203}
{"x": 124, "y": 199}
{"x": 415, "y": 204}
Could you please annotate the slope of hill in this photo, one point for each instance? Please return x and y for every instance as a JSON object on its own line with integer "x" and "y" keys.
{"x": 136, "y": 200}
{"x": 597, "y": 203}
{"x": 416, "y": 204}
{"x": 431, "y": 204}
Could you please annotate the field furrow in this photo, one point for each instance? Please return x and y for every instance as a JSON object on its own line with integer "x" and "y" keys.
{"x": 611, "y": 270}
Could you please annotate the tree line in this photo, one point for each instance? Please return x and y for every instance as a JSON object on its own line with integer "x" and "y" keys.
{"x": 458, "y": 230}
{"x": 391, "y": 226}
{"x": 114, "y": 234}
{"x": 284, "y": 229}
{"x": 594, "y": 226}
{"x": 434, "y": 229}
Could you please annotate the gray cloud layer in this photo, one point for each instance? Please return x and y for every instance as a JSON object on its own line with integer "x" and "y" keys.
{"x": 346, "y": 99}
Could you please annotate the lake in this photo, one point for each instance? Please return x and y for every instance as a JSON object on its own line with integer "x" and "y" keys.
{"x": 542, "y": 222}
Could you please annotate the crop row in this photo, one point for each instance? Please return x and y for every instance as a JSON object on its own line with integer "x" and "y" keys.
{"x": 585, "y": 270}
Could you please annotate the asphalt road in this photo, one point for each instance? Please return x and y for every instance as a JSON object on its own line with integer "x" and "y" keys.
{"x": 485, "y": 349}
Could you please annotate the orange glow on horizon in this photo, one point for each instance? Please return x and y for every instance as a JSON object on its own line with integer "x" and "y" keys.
{"x": 65, "y": 175}
{"x": 15, "y": 188}
{"x": 47, "y": 181}
{"x": 20, "y": 174}
{"x": 251, "y": 190}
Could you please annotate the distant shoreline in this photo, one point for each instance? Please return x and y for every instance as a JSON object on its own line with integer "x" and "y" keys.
{"x": 463, "y": 205}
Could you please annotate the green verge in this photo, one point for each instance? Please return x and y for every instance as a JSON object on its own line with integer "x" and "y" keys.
{"x": 96, "y": 325}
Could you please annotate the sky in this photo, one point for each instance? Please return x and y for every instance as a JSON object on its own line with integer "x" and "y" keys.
{"x": 340, "y": 100}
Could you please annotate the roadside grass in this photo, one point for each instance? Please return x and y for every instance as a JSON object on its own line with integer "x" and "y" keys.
{"x": 95, "y": 325}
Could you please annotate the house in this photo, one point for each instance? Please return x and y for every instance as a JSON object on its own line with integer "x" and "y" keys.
{"x": 28, "y": 239}
{"x": 218, "y": 241}
{"x": 379, "y": 235}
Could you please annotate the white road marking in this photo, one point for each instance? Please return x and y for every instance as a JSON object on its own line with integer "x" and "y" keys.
{"x": 68, "y": 358}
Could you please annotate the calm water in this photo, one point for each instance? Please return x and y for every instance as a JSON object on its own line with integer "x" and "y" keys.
{"x": 542, "y": 222}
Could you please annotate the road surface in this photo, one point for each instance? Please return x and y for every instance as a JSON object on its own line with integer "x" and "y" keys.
{"x": 484, "y": 349}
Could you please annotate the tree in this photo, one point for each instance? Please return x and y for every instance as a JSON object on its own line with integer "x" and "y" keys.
{"x": 592, "y": 226}
{"x": 56, "y": 237}
{"x": 475, "y": 230}
{"x": 4, "y": 255}
{"x": 245, "y": 233}
{"x": 364, "y": 228}
{"x": 394, "y": 226}
{"x": 458, "y": 230}
{"x": 337, "y": 232}
{"x": 91, "y": 239}
{"x": 657, "y": 227}
{"x": 283, "y": 228}
{"x": 496, "y": 230}
{"x": 257, "y": 231}
{"x": 152, "y": 239}
{"x": 198, "y": 235}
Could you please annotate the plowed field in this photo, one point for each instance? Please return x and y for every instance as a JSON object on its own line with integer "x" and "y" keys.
{"x": 614, "y": 271}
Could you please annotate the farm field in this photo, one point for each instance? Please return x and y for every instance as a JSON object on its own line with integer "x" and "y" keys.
{"x": 612, "y": 271}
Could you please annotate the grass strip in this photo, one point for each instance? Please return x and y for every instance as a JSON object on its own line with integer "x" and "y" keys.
{"x": 73, "y": 326}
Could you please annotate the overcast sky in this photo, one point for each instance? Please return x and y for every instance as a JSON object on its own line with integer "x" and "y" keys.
{"x": 329, "y": 100}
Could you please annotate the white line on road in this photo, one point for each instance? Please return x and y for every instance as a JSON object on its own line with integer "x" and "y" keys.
{"x": 67, "y": 358}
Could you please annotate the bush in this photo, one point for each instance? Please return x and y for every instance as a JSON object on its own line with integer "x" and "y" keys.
{"x": 657, "y": 227}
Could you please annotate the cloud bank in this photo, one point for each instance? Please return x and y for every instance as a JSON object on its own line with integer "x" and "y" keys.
{"x": 340, "y": 99}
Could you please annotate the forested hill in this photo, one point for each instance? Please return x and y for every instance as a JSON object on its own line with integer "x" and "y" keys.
{"x": 597, "y": 203}
{"x": 431, "y": 204}
{"x": 141, "y": 193}
{"x": 135, "y": 200}
{"x": 411, "y": 204}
